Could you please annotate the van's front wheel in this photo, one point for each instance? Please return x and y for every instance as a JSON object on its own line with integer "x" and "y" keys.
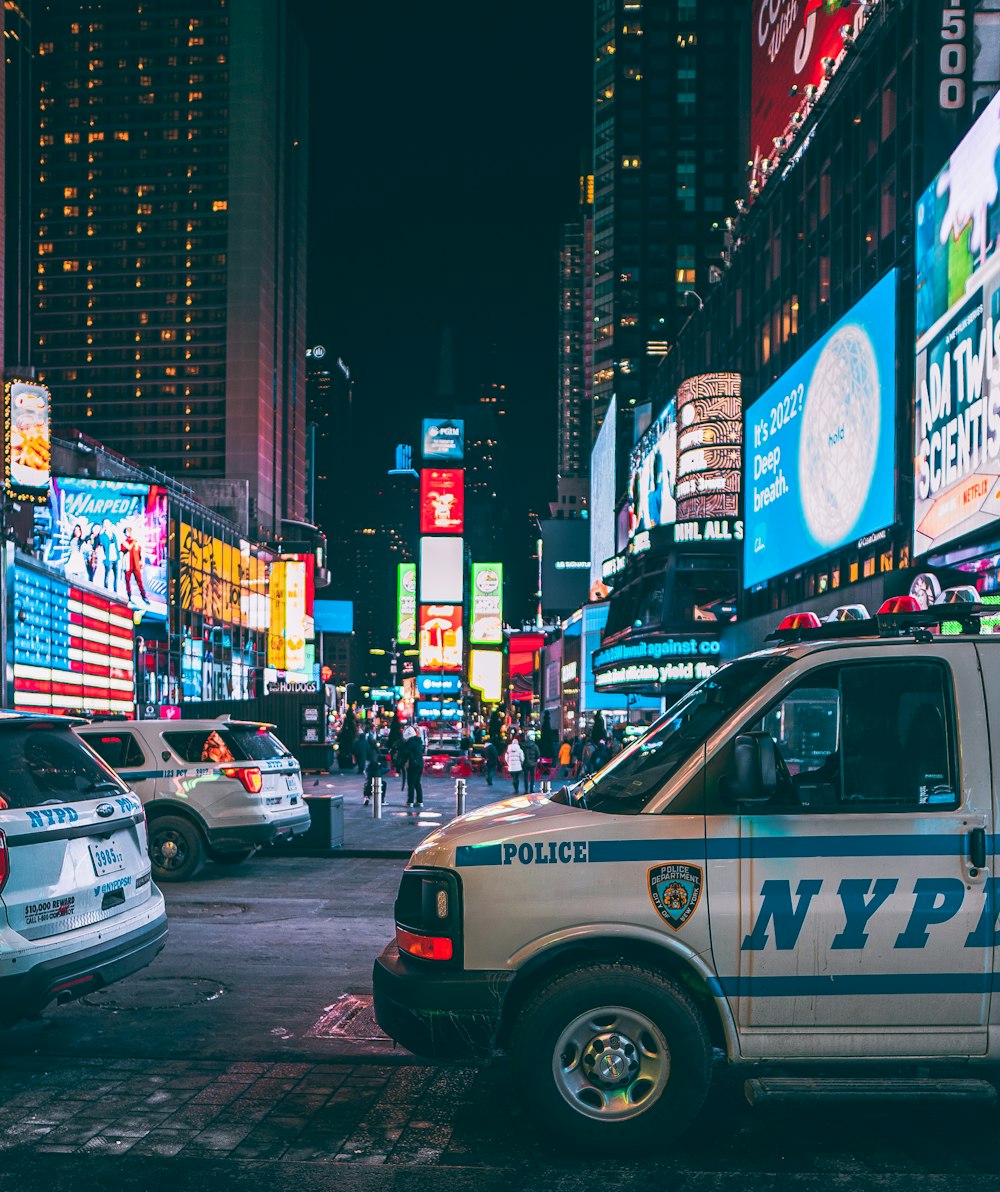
{"x": 613, "y": 1051}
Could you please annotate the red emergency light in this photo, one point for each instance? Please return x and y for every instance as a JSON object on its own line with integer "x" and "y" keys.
{"x": 900, "y": 604}
{"x": 800, "y": 621}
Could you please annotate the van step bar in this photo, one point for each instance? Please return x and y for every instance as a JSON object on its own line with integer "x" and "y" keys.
{"x": 777, "y": 1089}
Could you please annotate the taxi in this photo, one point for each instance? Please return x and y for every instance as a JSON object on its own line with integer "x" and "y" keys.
{"x": 212, "y": 789}
{"x": 795, "y": 865}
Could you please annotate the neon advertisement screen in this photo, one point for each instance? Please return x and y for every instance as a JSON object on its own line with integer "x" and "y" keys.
{"x": 442, "y": 501}
{"x": 406, "y": 604}
{"x": 443, "y": 440}
{"x": 27, "y": 439}
{"x": 110, "y": 537}
{"x": 957, "y": 393}
{"x": 487, "y": 604}
{"x": 653, "y": 475}
{"x": 441, "y": 638}
{"x": 442, "y": 566}
{"x": 821, "y": 444}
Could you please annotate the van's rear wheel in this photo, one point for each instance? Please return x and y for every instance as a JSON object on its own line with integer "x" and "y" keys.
{"x": 614, "y": 1053}
{"x": 176, "y": 849}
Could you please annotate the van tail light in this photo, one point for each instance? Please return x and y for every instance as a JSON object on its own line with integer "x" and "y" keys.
{"x": 899, "y": 604}
{"x": 251, "y": 778}
{"x": 425, "y": 947}
{"x": 4, "y": 862}
{"x": 799, "y": 621}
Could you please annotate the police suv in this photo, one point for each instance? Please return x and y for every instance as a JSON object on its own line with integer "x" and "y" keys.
{"x": 77, "y": 906}
{"x": 212, "y": 789}
{"x": 796, "y": 864}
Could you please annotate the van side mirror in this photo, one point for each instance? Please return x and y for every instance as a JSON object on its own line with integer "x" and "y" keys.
{"x": 753, "y": 778}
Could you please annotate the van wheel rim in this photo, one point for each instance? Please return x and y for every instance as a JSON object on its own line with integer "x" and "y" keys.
{"x": 611, "y": 1063}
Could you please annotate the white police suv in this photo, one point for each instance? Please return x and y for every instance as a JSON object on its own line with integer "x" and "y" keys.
{"x": 212, "y": 789}
{"x": 77, "y": 906}
{"x": 797, "y": 864}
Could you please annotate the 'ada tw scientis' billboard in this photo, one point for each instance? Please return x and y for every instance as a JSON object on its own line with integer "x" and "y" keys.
{"x": 821, "y": 444}
{"x": 956, "y": 418}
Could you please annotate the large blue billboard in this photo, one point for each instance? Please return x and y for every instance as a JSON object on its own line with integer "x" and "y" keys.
{"x": 443, "y": 440}
{"x": 820, "y": 444}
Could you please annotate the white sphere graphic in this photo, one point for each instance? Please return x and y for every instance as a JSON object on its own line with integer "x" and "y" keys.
{"x": 839, "y": 437}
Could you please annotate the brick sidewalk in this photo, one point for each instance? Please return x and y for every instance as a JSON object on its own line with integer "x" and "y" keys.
{"x": 395, "y": 1114}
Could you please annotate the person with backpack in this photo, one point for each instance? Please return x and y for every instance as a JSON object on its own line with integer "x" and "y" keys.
{"x": 490, "y": 759}
{"x": 529, "y": 767}
{"x": 514, "y": 757}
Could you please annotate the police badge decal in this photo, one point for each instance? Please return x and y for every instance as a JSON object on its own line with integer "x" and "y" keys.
{"x": 674, "y": 891}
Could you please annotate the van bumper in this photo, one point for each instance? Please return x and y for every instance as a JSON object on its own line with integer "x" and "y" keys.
{"x": 441, "y": 1014}
{"x": 66, "y": 978}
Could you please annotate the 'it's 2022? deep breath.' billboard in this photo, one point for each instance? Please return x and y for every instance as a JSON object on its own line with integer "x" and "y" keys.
{"x": 957, "y": 394}
{"x": 821, "y": 444}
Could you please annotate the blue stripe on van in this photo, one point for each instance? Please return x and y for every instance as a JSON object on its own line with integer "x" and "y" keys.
{"x": 852, "y": 984}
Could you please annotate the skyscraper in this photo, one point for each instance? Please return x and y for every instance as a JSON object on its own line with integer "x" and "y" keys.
{"x": 169, "y": 275}
{"x": 666, "y": 171}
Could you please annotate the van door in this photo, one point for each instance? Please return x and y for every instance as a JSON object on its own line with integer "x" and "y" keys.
{"x": 848, "y": 913}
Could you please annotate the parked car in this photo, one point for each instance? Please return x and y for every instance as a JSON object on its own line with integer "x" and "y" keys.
{"x": 78, "y": 909}
{"x": 212, "y": 789}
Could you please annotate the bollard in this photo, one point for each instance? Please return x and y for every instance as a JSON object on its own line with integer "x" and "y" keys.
{"x": 377, "y": 785}
{"x": 460, "y": 796}
{"x": 546, "y": 787}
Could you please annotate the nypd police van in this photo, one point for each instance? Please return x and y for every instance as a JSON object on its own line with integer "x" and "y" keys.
{"x": 795, "y": 865}
{"x": 78, "y": 909}
{"x": 212, "y": 789}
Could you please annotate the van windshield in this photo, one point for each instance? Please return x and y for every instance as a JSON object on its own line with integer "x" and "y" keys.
{"x": 627, "y": 783}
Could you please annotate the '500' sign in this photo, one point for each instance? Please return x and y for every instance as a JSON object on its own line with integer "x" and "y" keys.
{"x": 953, "y": 57}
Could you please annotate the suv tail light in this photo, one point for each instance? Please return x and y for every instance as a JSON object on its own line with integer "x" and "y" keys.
{"x": 4, "y": 862}
{"x": 251, "y": 778}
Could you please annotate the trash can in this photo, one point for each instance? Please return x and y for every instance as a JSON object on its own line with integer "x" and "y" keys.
{"x": 327, "y": 827}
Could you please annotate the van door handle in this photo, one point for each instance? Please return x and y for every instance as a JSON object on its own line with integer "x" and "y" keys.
{"x": 977, "y": 848}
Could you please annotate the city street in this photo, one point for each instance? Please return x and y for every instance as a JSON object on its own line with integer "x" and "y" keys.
{"x": 248, "y": 1051}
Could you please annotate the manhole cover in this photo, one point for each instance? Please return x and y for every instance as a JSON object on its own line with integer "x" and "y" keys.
{"x": 157, "y": 993}
{"x": 207, "y": 910}
{"x": 350, "y": 1017}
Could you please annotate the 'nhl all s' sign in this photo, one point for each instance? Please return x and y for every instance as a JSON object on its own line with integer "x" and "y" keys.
{"x": 675, "y": 890}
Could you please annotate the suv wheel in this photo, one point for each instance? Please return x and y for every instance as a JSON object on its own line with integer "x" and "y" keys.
{"x": 176, "y": 849}
{"x": 612, "y": 1053}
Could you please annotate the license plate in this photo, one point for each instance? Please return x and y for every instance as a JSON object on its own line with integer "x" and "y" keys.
{"x": 274, "y": 801}
{"x": 290, "y": 781}
{"x": 107, "y": 857}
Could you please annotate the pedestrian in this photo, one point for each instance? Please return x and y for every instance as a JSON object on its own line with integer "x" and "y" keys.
{"x": 588, "y": 757}
{"x": 600, "y": 755}
{"x": 414, "y": 751}
{"x": 361, "y": 752}
{"x": 565, "y": 750}
{"x": 374, "y": 769}
{"x": 491, "y": 758}
{"x": 408, "y": 732}
{"x": 576, "y": 754}
{"x": 514, "y": 757}
{"x": 530, "y": 765}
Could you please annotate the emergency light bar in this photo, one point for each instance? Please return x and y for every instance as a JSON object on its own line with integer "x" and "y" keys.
{"x": 899, "y": 616}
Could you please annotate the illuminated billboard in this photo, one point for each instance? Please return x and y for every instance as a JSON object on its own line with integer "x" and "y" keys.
{"x": 487, "y": 605}
{"x": 406, "y": 604}
{"x": 441, "y": 638}
{"x": 437, "y": 685}
{"x": 73, "y": 648}
{"x": 601, "y": 506}
{"x": 565, "y": 564}
{"x": 709, "y": 458}
{"x": 286, "y": 639}
{"x": 653, "y": 470}
{"x": 443, "y": 440}
{"x": 486, "y": 674}
{"x": 442, "y": 568}
{"x": 28, "y": 440}
{"x": 821, "y": 444}
{"x": 793, "y": 45}
{"x": 109, "y": 535}
{"x": 957, "y": 392}
{"x": 442, "y": 501}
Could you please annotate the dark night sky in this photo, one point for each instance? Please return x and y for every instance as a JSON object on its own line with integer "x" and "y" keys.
{"x": 445, "y": 150}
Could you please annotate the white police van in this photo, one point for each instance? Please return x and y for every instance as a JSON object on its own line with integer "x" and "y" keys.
{"x": 77, "y": 907}
{"x": 796, "y": 864}
{"x": 212, "y": 789}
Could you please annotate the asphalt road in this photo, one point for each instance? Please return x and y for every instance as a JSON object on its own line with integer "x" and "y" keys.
{"x": 247, "y": 1053}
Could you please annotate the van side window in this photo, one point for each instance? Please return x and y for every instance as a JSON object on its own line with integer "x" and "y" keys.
{"x": 859, "y": 737}
{"x": 120, "y": 750}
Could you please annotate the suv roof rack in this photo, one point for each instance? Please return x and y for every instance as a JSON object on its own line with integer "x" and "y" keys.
{"x": 902, "y": 624}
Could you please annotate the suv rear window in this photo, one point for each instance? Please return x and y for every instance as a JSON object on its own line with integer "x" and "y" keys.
{"x": 41, "y": 765}
{"x": 229, "y": 744}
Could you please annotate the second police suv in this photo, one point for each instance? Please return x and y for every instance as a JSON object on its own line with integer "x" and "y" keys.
{"x": 795, "y": 865}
